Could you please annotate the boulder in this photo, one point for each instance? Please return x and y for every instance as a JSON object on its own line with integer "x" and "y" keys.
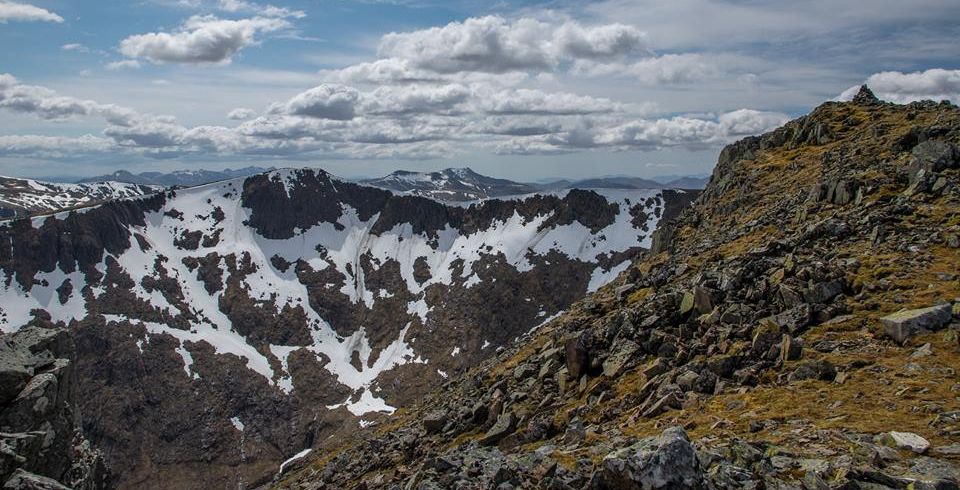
{"x": 622, "y": 354}
{"x": 934, "y": 156}
{"x": 435, "y": 421}
{"x": 903, "y": 324}
{"x": 667, "y": 461}
{"x": 505, "y": 425}
{"x": 576, "y": 357}
{"x": 905, "y": 440}
{"x": 818, "y": 369}
{"x": 23, "y": 480}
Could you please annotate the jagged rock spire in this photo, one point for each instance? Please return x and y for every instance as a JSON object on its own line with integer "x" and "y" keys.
{"x": 865, "y": 96}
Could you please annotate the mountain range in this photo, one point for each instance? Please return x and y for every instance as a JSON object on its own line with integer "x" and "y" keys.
{"x": 180, "y": 178}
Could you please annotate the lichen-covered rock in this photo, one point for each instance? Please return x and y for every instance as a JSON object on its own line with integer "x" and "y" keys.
{"x": 667, "y": 461}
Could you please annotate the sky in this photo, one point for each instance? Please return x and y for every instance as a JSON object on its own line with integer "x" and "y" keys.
{"x": 516, "y": 89}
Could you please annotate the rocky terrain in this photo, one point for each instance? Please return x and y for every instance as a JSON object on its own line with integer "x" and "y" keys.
{"x": 795, "y": 328}
{"x": 26, "y": 197}
{"x": 222, "y": 329}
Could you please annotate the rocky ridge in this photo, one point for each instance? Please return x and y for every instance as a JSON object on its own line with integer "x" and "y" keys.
{"x": 797, "y": 327}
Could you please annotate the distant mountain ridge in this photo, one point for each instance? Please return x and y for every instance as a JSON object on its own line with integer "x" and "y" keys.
{"x": 185, "y": 178}
{"x": 27, "y": 197}
{"x": 464, "y": 184}
{"x": 451, "y": 184}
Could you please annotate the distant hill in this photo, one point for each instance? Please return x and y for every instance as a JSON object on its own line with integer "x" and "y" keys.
{"x": 185, "y": 178}
{"x": 451, "y": 184}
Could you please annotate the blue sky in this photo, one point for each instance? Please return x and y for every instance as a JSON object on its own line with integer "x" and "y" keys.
{"x": 522, "y": 90}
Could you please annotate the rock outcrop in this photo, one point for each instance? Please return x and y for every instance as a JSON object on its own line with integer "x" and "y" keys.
{"x": 41, "y": 440}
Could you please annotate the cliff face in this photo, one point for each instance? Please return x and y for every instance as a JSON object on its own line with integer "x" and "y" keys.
{"x": 41, "y": 441}
{"x": 222, "y": 329}
{"x": 796, "y": 327}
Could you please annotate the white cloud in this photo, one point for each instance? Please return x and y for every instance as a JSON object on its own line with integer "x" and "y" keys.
{"x": 52, "y": 146}
{"x": 493, "y": 44}
{"x": 201, "y": 40}
{"x": 325, "y": 101}
{"x": 530, "y": 101}
{"x": 410, "y": 99}
{"x": 14, "y": 11}
{"x": 122, "y": 65}
{"x": 895, "y": 86}
{"x": 257, "y": 9}
{"x": 606, "y": 41}
{"x": 665, "y": 69}
{"x": 241, "y": 114}
{"x": 693, "y": 133}
{"x": 75, "y": 47}
{"x": 47, "y": 104}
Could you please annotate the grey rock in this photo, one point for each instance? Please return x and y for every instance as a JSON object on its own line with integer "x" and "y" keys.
{"x": 906, "y": 440}
{"x": 504, "y": 426}
{"x": 667, "y": 461}
{"x": 818, "y": 369}
{"x": 905, "y": 323}
{"x": 934, "y": 156}
{"x": 435, "y": 421}
{"x": 622, "y": 354}
{"x": 23, "y": 480}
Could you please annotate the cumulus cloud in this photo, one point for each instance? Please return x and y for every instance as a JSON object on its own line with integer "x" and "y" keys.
{"x": 493, "y": 44}
{"x": 530, "y": 101}
{"x": 409, "y": 99}
{"x": 327, "y": 101}
{"x": 202, "y": 39}
{"x": 24, "y": 12}
{"x": 895, "y": 86}
{"x": 241, "y": 114}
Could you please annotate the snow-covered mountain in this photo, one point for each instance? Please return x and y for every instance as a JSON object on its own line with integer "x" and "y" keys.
{"x": 182, "y": 178}
{"x": 24, "y": 197}
{"x": 451, "y": 184}
{"x": 234, "y": 323}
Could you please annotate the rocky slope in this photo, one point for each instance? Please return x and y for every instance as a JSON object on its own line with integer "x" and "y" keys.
{"x": 222, "y": 329}
{"x": 26, "y": 197}
{"x": 797, "y": 327}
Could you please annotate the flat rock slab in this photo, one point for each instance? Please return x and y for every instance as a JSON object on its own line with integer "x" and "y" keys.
{"x": 906, "y": 440}
{"x": 903, "y": 324}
